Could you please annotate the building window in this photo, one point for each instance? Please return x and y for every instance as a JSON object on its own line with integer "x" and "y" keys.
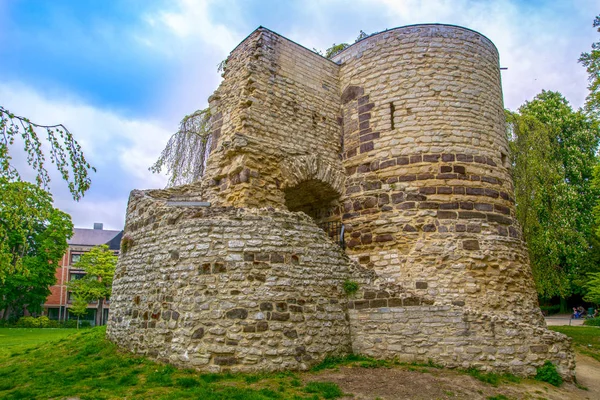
{"x": 53, "y": 313}
{"x": 73, "y": 276}
{"x": 75, "y": 258}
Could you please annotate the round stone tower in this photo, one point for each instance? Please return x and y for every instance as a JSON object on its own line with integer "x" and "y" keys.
{"x": 429, "y": 199}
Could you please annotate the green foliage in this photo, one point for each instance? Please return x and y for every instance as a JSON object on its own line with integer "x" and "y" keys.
{"x": 492, "y": 378}
{"x": 593, "y": 288}
{"x": 591, "y": 61}
{"x": 33, "y": 239}
{"x": 65, "y": 153}
{"x": 99, "y": 266}
{"x": 350, "y": 287}
{"x": 328, "y": 390}
{"x": 548, "y": 373}
{"x": 335, "y": 49}
{"x": 592, "y": 322}
{"x": 184, "y": 156}
{"x": 32, "y": 322}
{"x": 79, "y": 307}
{"x": 553, "y": 154}
{"x": 126, "y": 244}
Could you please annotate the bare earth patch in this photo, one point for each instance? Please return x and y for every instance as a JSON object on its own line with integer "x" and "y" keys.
{"x": 431, "y": 383}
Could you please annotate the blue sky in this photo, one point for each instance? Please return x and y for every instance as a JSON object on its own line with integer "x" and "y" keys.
{"x": 121, "y": 74}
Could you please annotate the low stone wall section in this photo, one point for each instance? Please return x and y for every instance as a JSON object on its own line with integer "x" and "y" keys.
{"x": 456, "y": 338}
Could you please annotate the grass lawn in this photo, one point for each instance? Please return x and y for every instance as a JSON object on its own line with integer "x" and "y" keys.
{"x": 13, "y": 340}
{"x": 46, "y": 363}
{"x": 86, "y": 365}
{"x": 586, "y": 339}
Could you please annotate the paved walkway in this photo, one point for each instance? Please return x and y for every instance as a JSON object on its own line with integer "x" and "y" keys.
{"x": 563, "y": 319}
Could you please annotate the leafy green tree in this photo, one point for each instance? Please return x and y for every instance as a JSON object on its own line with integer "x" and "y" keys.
{"x": 591, "y": 61}
{"x": 553, "y": 154}
{"x": 99, "y": 265}
{"x": 33, "y": 238}
{"x": 79, "y": 308}
{"x": 593, "y": 287}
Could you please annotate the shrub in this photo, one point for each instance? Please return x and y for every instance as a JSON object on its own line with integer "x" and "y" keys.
{"x": 43, "y": 321}
{"x": 592, "y": 322}
{"x": 350, "y": 287}
{"x": 28, "y": 322}
{"x": 548, "y": 373}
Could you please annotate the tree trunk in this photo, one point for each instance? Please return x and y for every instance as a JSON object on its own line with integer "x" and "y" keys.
{"x": 78, "y": 322}
{"x": 99, "y": 312}
{"x": 563, "y": 306}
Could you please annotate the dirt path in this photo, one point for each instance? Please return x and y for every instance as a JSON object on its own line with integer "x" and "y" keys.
{"x": 431, "y": 383}
{"x": 588, "y": 374}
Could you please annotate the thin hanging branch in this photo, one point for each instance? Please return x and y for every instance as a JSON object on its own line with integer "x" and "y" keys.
{"x": 64, "y": 152}
{"x": 184, "y": 156}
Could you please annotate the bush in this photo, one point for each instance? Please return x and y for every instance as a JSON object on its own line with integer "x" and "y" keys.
{"x": 350, "y": 287}
{"x": 28, "y": 322}
{"x": 592, "y": 322}
{"x": 43, "y": 322}
{"x": 548, "y": 373}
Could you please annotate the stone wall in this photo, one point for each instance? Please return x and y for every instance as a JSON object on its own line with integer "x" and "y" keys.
{"x": 214, "y": 288}
{"x": 456, "y": 338}
{"x": 428, "y": 199}
{"x": 277, "y": 117}
{"x": 402, "y": 141}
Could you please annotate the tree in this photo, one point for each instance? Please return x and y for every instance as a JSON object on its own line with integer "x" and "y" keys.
{"x": 79, "y": 308}
{"x": 553, "y": 155}
{"x": 593, "y": 286}
{"x": 591, "y": 61}
{"x": 184, "y": 156}
{"x": 65, "y": 153}
{"x": 33, "y": 238}
{"x": 99, "y": 266}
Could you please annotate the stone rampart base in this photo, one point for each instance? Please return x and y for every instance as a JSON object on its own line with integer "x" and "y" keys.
{"x": 458, "y": 338}
{"x": 226, "y": 288}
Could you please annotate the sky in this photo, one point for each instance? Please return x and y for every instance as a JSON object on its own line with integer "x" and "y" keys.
{"x": 121, "y": 74}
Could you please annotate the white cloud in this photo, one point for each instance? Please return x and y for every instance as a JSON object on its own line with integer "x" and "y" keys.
{"x": 188, "y": 32}
{"x": 539, "y": 44}
{"x": 120, "y": 148}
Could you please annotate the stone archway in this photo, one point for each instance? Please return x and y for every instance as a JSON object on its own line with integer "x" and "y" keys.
{"x": 310, "y": 185}
{"x": 313, "y": 197}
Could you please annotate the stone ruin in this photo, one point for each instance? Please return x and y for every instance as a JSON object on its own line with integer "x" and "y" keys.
{"x": 401, "y": 138}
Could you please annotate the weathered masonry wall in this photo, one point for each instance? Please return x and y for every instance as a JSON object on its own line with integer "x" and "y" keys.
{"x": 428, "y": 199}
{"x": 216, "y": 288}
{"x": 457, "y": 338}
{"x": 402, "y": 140}
{"x": 281, "y": 130}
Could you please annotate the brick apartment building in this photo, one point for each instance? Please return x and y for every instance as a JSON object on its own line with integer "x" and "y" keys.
{"x": 58, "y": 302}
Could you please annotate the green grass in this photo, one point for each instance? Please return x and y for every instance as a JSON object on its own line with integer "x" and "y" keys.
{"x": 492, "y": 378}
{"x": 13, "y": 340}
{"x": 585, "y": 339}
{"x": 45, "y": 363}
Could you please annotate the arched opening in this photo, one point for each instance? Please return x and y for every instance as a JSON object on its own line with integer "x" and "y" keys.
{"x": 313, "y": 197}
